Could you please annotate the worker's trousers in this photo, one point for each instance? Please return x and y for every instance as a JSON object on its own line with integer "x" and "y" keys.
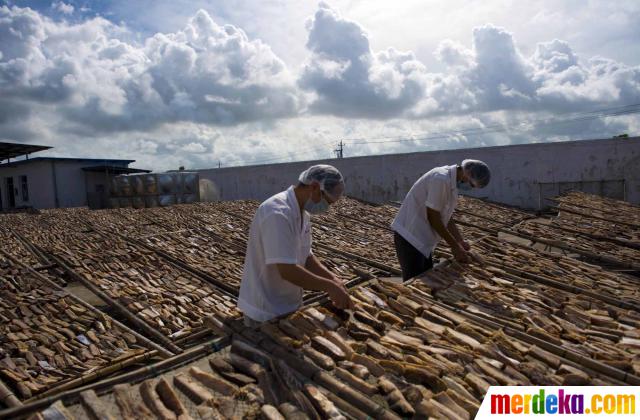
{"x": 412, "y": 262}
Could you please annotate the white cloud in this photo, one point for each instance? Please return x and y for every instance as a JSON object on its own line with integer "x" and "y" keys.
{"x": 495, "y": 75}
{"x": 63, "y": 7}
{"x": 207, "y": 91}
{"x": 349, "y": 80}
{"x": 194, "y": 148}
{"x": 206, "y": 73}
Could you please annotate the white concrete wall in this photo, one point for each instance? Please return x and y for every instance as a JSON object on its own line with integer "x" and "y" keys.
{"x": 71, "y": 184}
{"x": 45, "y": 177}
{"x": 39, "y": 181}
{"x": 519, "y": 172}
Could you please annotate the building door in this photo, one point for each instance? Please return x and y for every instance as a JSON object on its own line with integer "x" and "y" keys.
{"x": 1, "y": 207}
{"x": 11, "y": 193}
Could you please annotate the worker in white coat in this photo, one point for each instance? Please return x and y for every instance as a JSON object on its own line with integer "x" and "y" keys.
{"x": 279, "y": 263}
{"x": 425, "y": 215}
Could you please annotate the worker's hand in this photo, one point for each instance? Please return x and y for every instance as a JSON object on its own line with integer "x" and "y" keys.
{"x": 461, "y": 255}
{"x": 465, "y": 245}
{"x": 339, "y": 296}
{"x": 338, "y": 280}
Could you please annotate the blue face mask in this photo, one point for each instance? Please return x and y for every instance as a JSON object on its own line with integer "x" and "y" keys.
{"x": 317, "y": 208}
{"x": 464, "y": 186}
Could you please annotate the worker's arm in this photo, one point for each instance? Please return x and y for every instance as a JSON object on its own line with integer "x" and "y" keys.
{"x": 453, "y": 228}
{"x": 314, "y": 265}
{"x": 435, "y": 220}
{"x": 302, "y": 277}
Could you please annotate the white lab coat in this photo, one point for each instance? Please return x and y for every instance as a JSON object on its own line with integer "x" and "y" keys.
{"x": 436, "y": 189}
{"x": 276, "y": 237}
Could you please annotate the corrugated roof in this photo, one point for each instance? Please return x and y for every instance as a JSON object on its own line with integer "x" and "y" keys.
{"x": 114, "y": 169}
{"x": 41, "y": 159}
{"x": 11, "y": 150}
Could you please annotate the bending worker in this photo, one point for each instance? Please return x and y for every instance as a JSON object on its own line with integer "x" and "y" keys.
{"x": 279, "y": 263}
{"x": 425, "y": 215}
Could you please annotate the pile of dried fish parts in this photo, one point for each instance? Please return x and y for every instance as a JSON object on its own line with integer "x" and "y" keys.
{"x": 504, "y": 215}
{"x": 614, "y": 209}
{"x": 128, "y": 222}
{"x": 594, "y": 201}
{"x": 166, "y": 297}
{"x": 199, "y": 249}
{"x": 241, "y": 208}
{"x": 382, "y": 251}
{"x": 242, "y": 383}
{"x": 576, "y": 242}
{"x": 48, "y": 338}
{"x": 414, "y": 358}
{"x": 584, "y": 325}
{"x": 381, "y": 216}
{"x": 559, "y": 269}
{"x": 16, "y": 248}
{"x": 599, "y": 229}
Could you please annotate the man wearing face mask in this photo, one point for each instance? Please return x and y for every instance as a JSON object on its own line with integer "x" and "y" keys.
{"x": 279, "y": 263}
{"x": 425, "y": 215}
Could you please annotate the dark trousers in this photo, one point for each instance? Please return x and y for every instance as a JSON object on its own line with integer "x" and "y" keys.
{"x": 412, "y": 261}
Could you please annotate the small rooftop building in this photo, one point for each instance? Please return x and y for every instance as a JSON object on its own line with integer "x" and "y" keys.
{"x": 50, "y": 182}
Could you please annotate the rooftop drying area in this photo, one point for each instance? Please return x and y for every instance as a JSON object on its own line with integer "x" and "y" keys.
{"x": 130, "y": 311}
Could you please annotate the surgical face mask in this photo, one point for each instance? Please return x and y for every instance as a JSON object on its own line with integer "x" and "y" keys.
{"x": 317, "y": 208}
{"x": 464, "y": 186}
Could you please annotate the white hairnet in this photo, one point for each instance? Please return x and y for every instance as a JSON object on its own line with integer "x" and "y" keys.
{"x": 326, "y": 175}
{"x": 477, "y": 171}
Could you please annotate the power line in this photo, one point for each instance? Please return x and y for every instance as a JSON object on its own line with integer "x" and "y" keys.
{"x": 281, "y": 156}
{"x": 271, "y": 160}
{"x": 598, "y": 113}
{"x": 493, "y": 128}
{"x": 626, "y": 110}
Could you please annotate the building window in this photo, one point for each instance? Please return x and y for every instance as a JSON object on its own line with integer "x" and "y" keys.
{"x": 25, "y": 188}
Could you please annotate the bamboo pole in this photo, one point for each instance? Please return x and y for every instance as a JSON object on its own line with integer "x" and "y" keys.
{"x": 71, "y": 396}
{"x": 139, "y": 323}
{"x": 97, "y": 374}
{"x": 563, "y": 245}
{"x": 43, "y": 259}
{"x": 7, "y": 396}
{"x": 144, "y": 340}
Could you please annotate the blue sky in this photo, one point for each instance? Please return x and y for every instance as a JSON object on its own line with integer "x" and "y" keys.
{"x": 191, "y": 83}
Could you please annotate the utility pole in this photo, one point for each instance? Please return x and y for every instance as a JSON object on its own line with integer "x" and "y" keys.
{"x": 339, "y": 150}
{"x": 218, "y": 164}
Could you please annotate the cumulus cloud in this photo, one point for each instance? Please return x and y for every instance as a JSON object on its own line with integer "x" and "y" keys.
{"x": 494, "y": 75}
{"x": 63, "y": 7}
{"x": 205, "y": 73}
{"x": 350, "y": 80}
{"x": 209, "y": 92}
